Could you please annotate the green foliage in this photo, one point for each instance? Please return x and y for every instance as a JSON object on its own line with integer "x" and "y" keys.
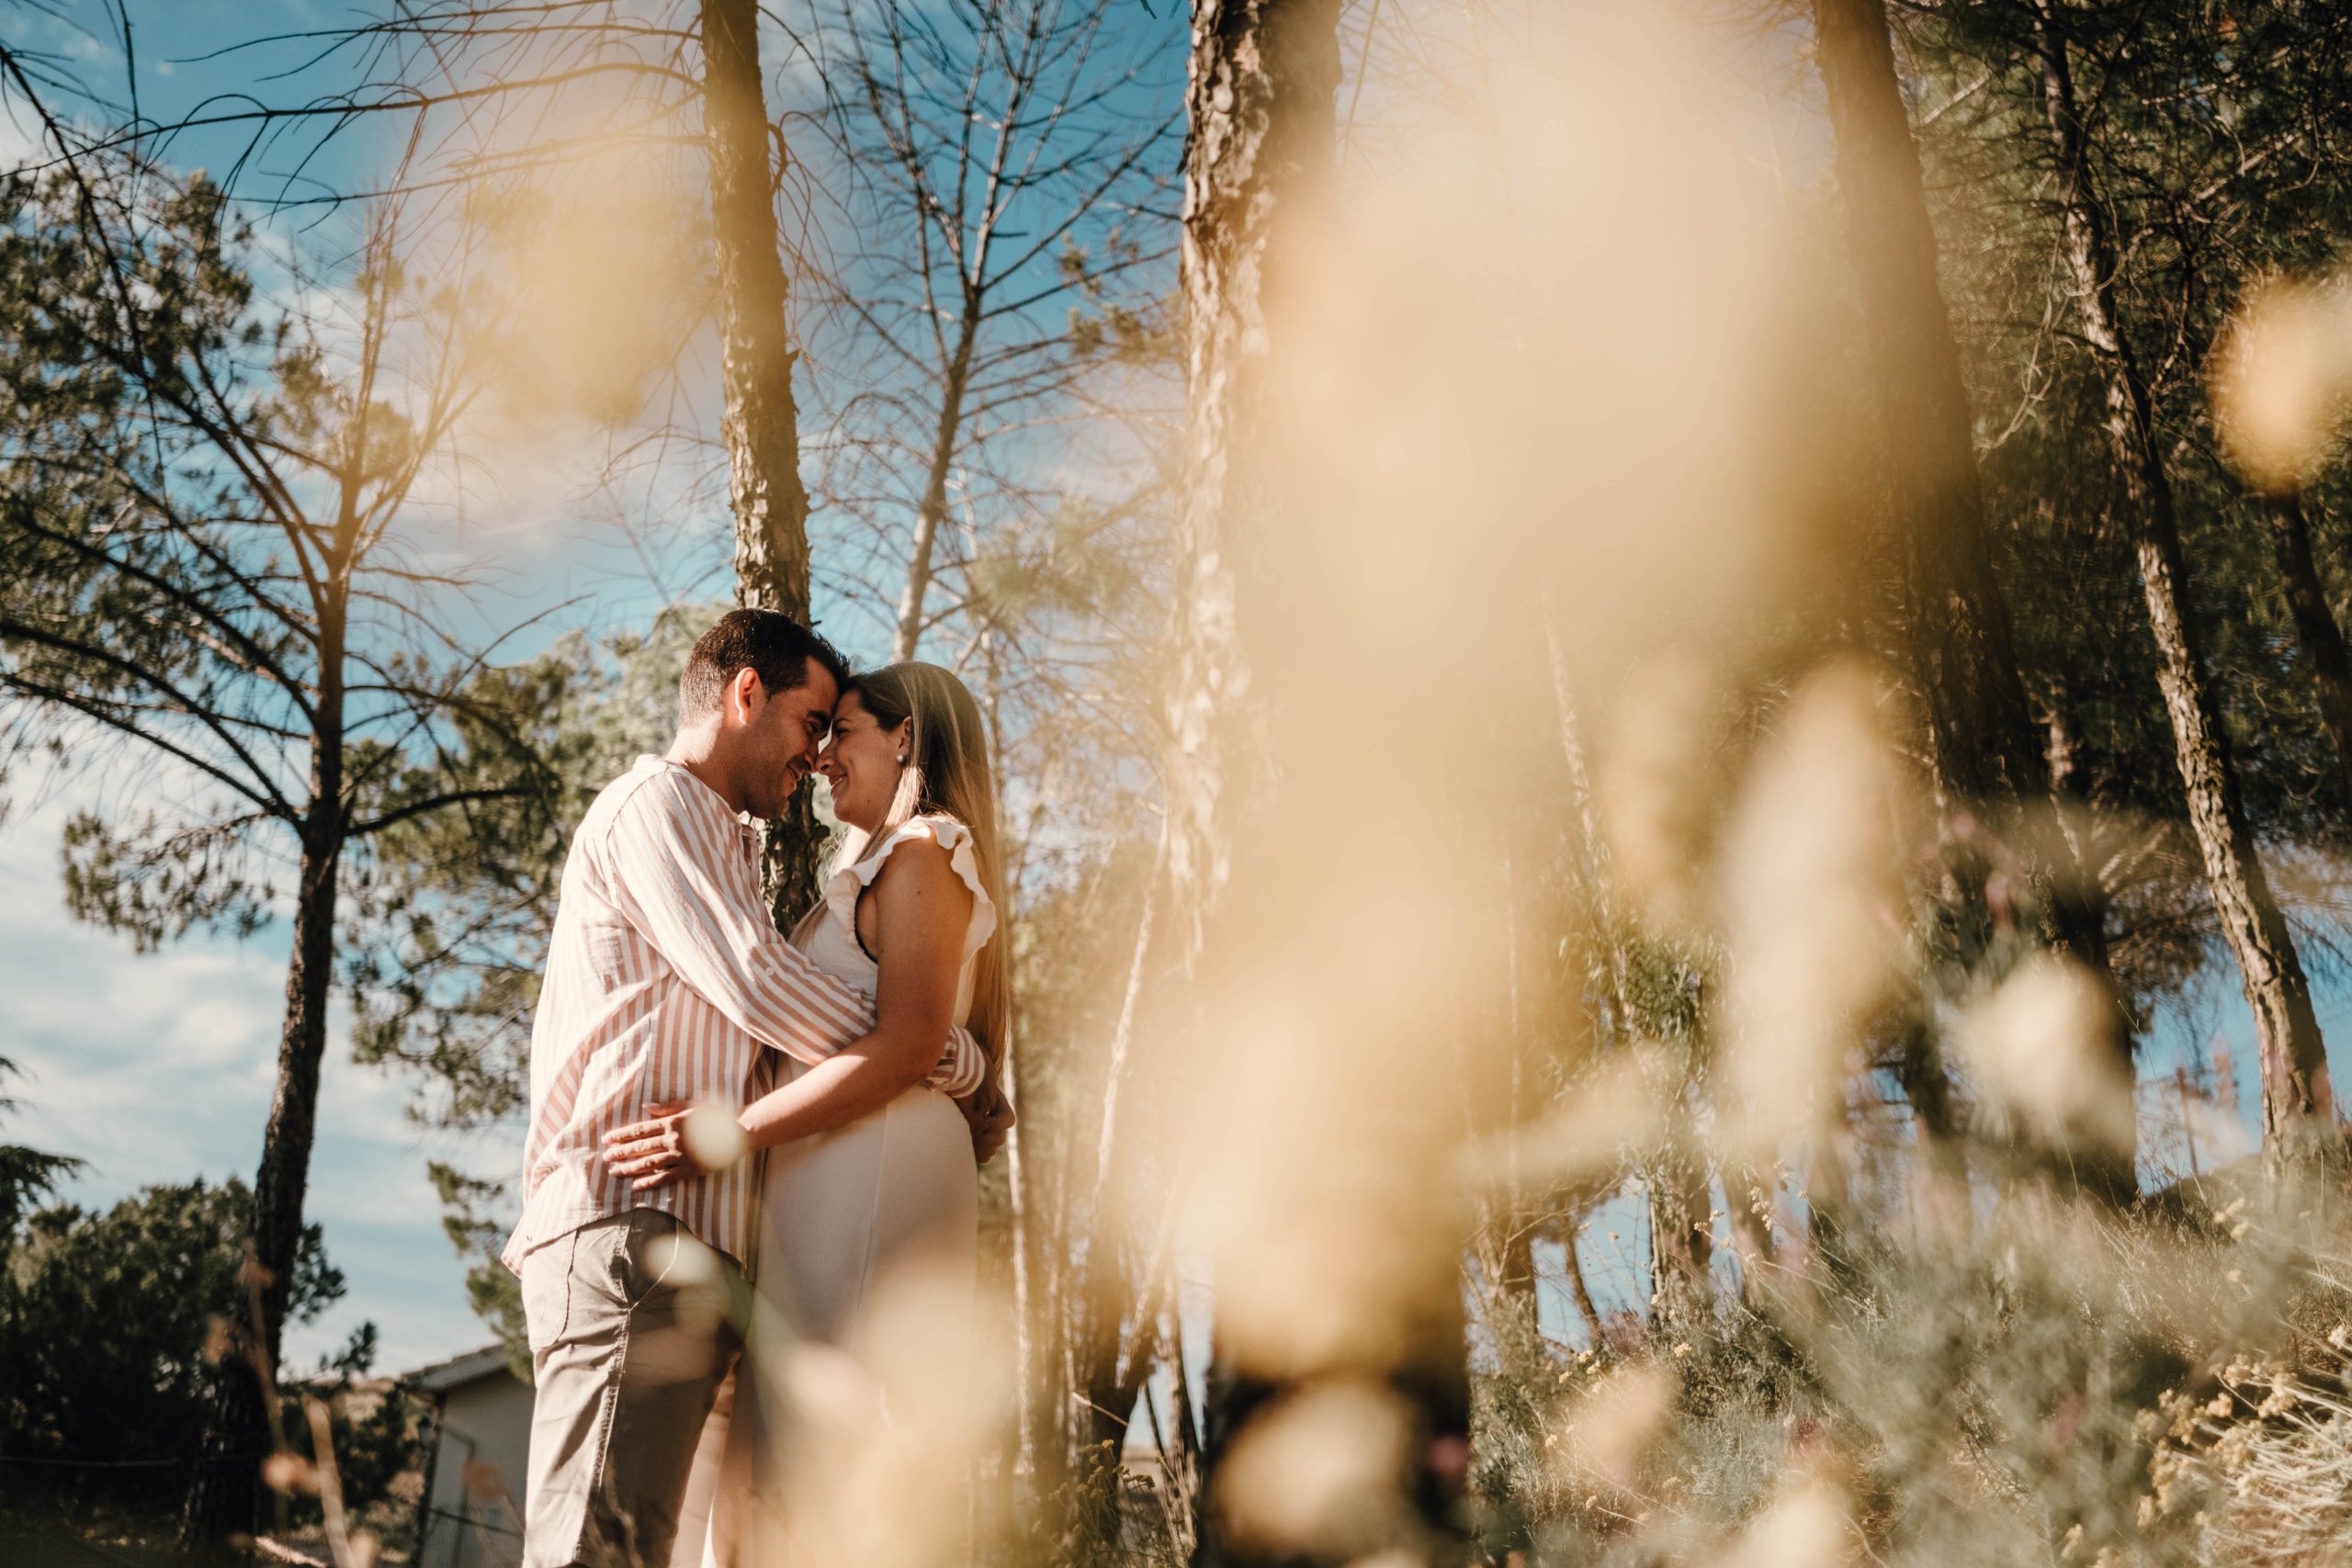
{"x": 207, "y": 497}
{"x": 2217, "y": 150}
{"x": 471, "y": 1217}
{"x": 111, "y": 1315}
{"x": 155, "y": 882}
{"x": 447, "y": 913}
{"x": 209, "y": 491}
{"x": 146, "y": 600}
{"x": 25, "y": 1174}
{"x": 371, "y": 1437}
{"x": 1104, "y": 326}
{"x": 448, "y": 916}
{"x": 110, "y": 1329}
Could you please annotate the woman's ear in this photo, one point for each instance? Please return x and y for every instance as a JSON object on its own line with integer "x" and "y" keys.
{"x": 903, "y": 737}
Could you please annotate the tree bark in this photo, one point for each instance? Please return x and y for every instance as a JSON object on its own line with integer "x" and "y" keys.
{"x": 1515, "y": 1280}
{"x": 1258, "y": 142}
{"x": 2298, "y": 1103}
{"x": 1115, "y": 1305}
{"x": 933, "y": 506}
{"x": 1028, "y": 1271}
{"x": 225, "y": 1495}
{"x": 1963, "y": 652}
{"x": 758, "y": 420}
{"x": 1683, "y": 1246}
{"x": 2315, "y": 629}
{"x": 1259, "y": 153}
{"x": 1579, "y": 1291}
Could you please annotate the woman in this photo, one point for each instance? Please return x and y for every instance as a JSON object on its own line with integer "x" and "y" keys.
{"x": 868, "y": 1169}
{"x": 869, "y": 1163}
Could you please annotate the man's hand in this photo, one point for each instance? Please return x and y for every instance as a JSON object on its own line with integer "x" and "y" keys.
{"x": 676, "y": 1143}
{"x": 990, "y": 1114}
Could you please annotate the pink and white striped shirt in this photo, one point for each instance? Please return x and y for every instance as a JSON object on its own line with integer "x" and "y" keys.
{"x": 666, "y": 981}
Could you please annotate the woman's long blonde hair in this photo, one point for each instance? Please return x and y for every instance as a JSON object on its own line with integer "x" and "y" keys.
{"x": 947, "y": 772}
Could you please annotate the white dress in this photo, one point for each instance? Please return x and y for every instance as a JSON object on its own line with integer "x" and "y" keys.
{"x": 839, "y": 1211}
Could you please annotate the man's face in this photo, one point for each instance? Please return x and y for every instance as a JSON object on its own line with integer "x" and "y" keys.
{"x": 780, "y": 734}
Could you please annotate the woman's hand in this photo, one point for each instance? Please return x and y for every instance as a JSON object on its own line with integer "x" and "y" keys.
{"x": 656, "y": 1151}
{"x": 924, "y": 909}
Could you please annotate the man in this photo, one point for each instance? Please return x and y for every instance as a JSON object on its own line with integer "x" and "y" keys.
{"x": 667, "y": 983}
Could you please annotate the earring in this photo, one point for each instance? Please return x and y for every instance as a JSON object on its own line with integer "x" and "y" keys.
{"x": 902, "y": 759}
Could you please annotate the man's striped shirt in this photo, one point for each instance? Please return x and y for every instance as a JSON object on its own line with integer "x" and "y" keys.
{"x": 666, "y": 982}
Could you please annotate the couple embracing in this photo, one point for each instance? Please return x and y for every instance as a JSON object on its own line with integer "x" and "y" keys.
{"x": 857, "y": 1060}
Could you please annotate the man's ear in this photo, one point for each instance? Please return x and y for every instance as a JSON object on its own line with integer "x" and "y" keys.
{"x": 744, "y": 693}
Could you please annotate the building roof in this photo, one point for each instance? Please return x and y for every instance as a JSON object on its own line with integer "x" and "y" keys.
{"x": 458, "y": 1370}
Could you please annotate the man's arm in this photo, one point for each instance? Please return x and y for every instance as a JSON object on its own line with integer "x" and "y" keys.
{"x": 682, "y": 878}
{"x": 686, "y": 886}
{"x": 989, "y": 1113}
{"x": 924, "y": 909}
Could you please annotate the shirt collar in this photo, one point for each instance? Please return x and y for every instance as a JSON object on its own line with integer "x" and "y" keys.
{"x": 651, "y": 763}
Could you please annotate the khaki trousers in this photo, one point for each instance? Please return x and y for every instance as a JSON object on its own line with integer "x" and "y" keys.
{"x": 632, "y": 1326}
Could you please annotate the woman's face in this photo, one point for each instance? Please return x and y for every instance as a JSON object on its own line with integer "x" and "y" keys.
{"x": 861, "y": 763}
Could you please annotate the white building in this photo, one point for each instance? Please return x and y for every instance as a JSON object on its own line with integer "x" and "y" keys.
{"x": 470, "y": 1515}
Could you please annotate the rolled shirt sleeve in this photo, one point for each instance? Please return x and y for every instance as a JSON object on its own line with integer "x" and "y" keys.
{"x": 688, "y": 882}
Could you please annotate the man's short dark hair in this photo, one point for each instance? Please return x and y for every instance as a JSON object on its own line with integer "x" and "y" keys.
{"x": 769, "y": 643}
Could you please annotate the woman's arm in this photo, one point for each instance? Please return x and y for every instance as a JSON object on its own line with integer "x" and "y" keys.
{"x": 922, "y": 910}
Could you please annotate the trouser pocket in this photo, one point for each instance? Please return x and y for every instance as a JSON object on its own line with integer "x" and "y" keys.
{"x": 621, "y": 1400}
{"x": 579, "y": 1286}
{"x": 646, "y": 1254}
{"x": 547, "y": 1290}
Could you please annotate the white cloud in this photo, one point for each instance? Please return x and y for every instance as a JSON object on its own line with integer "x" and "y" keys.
{"x": 160, "y": 1067}
{"x": 18, "y": 146}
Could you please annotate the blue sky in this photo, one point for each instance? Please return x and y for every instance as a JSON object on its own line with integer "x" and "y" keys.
{"x": 158, "y": 1068}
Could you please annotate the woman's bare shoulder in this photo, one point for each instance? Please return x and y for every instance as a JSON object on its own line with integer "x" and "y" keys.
{"x": 918, "y": 865}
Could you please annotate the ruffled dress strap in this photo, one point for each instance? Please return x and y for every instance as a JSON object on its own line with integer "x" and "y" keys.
{"x": 848, "y": 882}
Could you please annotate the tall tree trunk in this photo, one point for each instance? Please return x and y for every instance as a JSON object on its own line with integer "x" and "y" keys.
{"x": 1259, "y": 141}
{"x": 1515, "y": 1280}
{"x": 1532, "y": 1021}
{"x": 225, "y": 1495}
{"x": 1182, "y": 1509}
{"x": 1260, "y": 152}
{"x": 757, "y": 419}
{"x": 1579, "y": 1291}
{"x": 2298, "y": 1105}
{"x": 1919, "y": 1070}
{"x": 1114, "y": 1302}
{"x": 933, "y": 507}
{"x": 2315, "y": 629}
{"x": 1747, "y": 1192}
{"x": 1963, "y": 654}
{"x": 1027, "y": 1269}
{"x": 1683, "y": 1246}
{"x": 2063, "y": 752}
